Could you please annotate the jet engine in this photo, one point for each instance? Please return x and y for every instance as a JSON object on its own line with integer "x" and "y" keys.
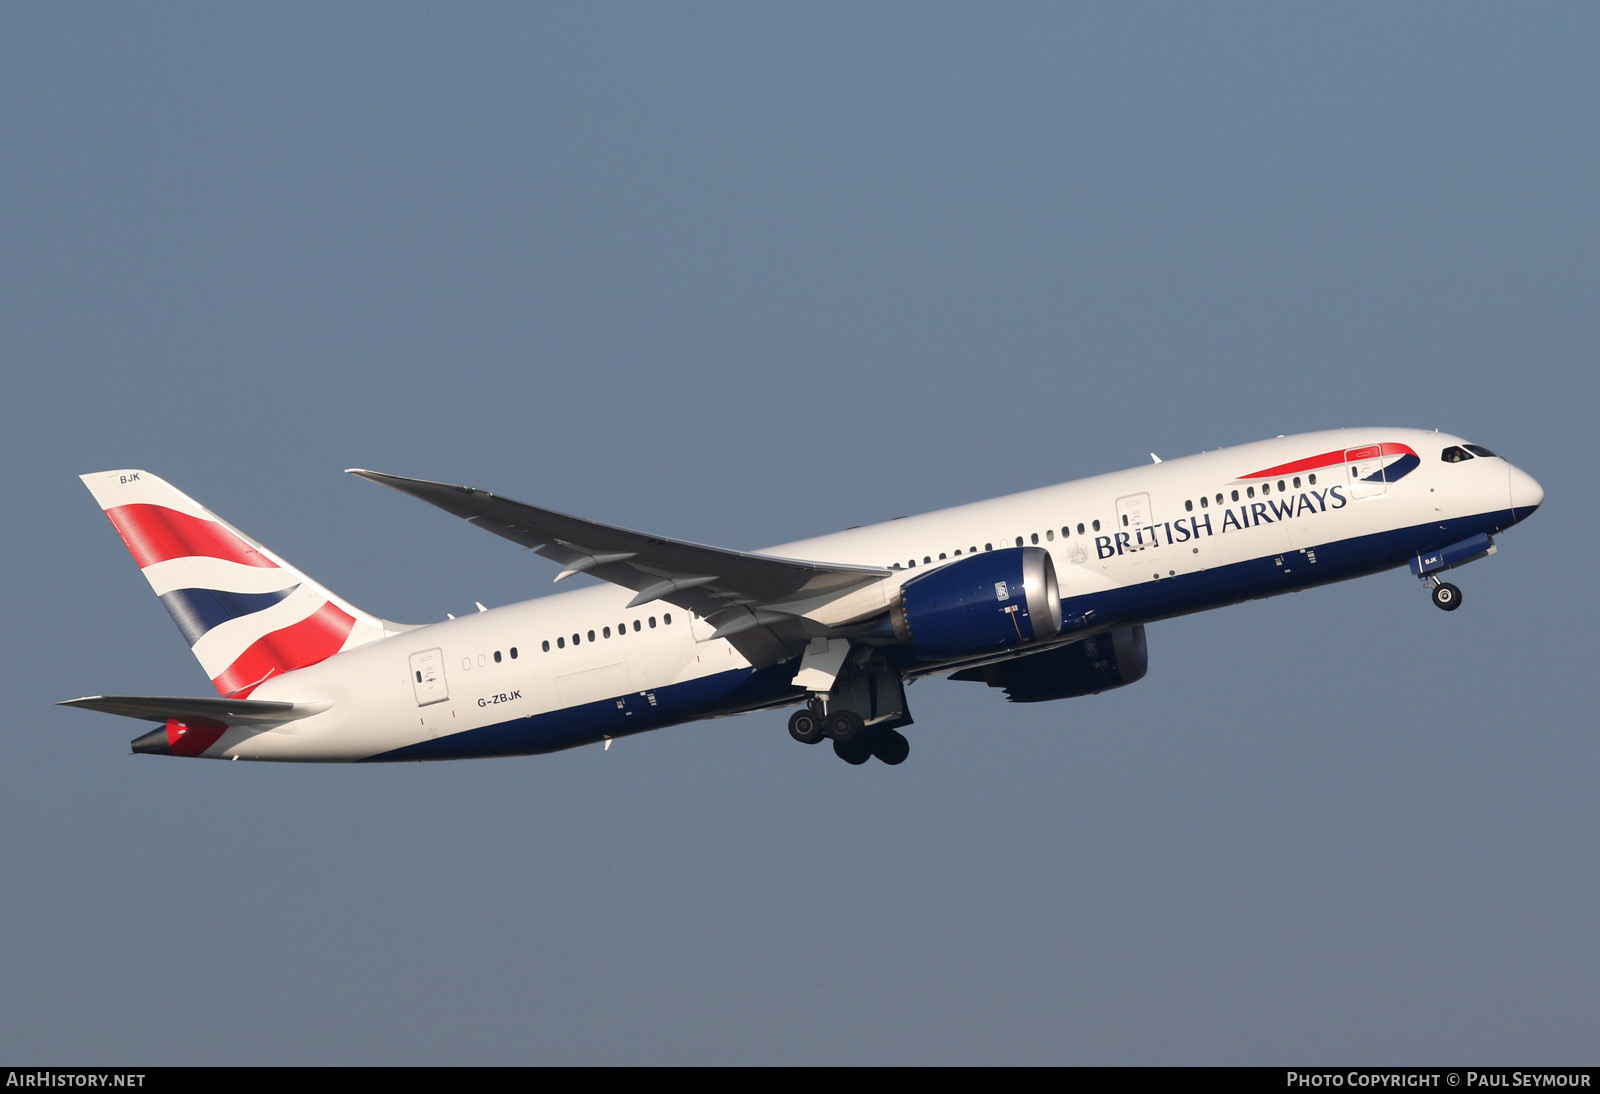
{"x": 994, "y": 601}
{"x": 1095, "y": 664}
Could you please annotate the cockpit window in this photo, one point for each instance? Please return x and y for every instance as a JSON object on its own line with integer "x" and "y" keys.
{"x": 1477, "y": 450}
{"x": 1455, "y": 454}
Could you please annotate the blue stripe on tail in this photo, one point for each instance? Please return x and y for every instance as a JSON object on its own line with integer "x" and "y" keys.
{"x": 196, "y": 611}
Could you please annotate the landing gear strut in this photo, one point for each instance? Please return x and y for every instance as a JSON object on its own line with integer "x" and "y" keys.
{"x": 856, "y": 701}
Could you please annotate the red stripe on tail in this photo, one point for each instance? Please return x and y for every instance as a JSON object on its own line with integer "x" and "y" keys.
{"x": 155, "y": 533}
{"x": 315, "y": 638}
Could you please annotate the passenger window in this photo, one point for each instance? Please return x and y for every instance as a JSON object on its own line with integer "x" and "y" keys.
{"x": 497, "y": 657}
{"x": 1019, "y": 541}
{"x": 1313, "y": 479}
{"x": 652, "y": 622}
{"x": 667, "y": 619}
{"x": 1236, "y": 495}
{"x": 591, "y": 636}
{"x": 1250, "y": 492}
{"x": 1297, "y": 482}
{"x": 1049, "y": 534}
{"x": 1205, "y": 503}
{"x": 513, "y": 653}
{"x": 1188, "y": 507}
{"x": 1034, "y": 538}
{"x": 547, "y": 645}
{"x": 636, "y": 625}
{"x": 1281, "y": 487}
{"x": 577, "y": 640}
{"x": 605, "y": 632}
{"x": 561, "y": 643}
{"x": 1096, "y": 526}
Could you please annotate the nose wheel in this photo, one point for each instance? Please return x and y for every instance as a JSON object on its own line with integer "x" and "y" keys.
{"x": 1446, "y": 596}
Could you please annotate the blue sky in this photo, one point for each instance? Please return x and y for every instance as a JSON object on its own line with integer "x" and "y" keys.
{"x": 743, "y": 274}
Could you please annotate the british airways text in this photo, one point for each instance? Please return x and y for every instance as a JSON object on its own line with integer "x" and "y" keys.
{"x": 1169, "y": 532}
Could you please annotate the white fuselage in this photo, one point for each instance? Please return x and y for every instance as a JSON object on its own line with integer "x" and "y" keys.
{"x": 1129, "y": 547}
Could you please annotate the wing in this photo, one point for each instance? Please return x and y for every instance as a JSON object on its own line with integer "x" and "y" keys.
{"x": 734, "y": 591}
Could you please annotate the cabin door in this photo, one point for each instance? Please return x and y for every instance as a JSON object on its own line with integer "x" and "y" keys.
{"x": 1364, "y": 472}
{"x": 427, "y": 677}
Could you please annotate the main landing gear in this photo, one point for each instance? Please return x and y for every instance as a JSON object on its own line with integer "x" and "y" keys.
{"x": 854, "y": 741}
{"x": 1445, "y": 595}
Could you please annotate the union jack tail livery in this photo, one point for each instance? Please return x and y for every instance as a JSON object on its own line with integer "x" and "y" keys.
{"x": 246, "y": 613}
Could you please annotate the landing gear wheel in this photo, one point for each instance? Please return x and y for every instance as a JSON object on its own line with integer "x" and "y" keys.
{"x": 844, "y": 726}
{"x": 890, "y": 747}
{"x": 1447, "y": 596}
{"x": 805, "y": 727}
{"x": 854, "y": 752}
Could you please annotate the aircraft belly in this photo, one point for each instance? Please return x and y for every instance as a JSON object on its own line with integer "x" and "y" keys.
{"x": 725, "y": 692}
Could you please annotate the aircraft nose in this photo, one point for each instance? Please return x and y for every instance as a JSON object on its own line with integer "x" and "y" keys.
{"x": 1526, "y": 493}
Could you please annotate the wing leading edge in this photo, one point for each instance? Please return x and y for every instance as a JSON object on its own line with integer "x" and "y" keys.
{"x": 735, "y": 591}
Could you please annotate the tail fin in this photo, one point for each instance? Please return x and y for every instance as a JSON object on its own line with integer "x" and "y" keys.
{"x": 247, "y": 614}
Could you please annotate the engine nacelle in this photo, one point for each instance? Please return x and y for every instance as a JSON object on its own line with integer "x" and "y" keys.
{"x": 1096, "y": 664}
{"x": 994, "y": 601}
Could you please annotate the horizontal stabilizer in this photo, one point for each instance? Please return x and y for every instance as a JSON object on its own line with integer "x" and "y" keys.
{"x": 228, "y": 712}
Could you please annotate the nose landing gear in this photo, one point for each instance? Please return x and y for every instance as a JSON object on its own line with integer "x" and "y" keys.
{"x": 1429, "y": 566}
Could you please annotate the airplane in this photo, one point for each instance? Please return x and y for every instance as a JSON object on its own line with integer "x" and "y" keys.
{"x": 1043, "y": 594}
